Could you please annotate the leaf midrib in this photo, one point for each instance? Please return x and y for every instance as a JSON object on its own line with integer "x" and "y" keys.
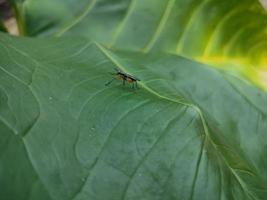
{"x": 78, "y": 19}
{"x": 196, "y": 109}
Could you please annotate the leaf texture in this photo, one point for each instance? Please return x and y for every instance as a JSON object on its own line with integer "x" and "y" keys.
{"x": 181, "y": 135}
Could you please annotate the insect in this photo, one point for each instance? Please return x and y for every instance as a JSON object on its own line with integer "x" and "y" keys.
{"x": 119, "y": 75}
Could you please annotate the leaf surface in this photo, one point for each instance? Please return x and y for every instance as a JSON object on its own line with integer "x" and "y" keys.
{"x": 181, "y": 135}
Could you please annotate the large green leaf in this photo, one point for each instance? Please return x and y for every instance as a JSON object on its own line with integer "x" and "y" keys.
{"x": 181, "y": 135}
{"x": 211, "y": 30}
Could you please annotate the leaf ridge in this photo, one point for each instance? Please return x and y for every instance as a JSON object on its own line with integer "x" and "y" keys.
{"x": 149, "y": 118}
{"x": 142, "y": 84}
{"x": 194, "y": 107}
{"x": 173, "y": 162}
{"x": 13, "y": 58}
{"x": 161, "y": 25}
{"x": 123, "y": 22}
{"x": 216, "y": 30}
{"x": 175, "y": 118}
{"x": 230, "y": 43}
{"x": 89, "y": 99}
{"x": 78, "y": 19}
{"x": 197, "y": 168}
{"x": 244, "y": 96}
{"x": 13, "y": 76}
{"x": 8, "y": 125}
{"x": 76, "y": 85}
{"x": 33, "y": 166}
{"x": 78, "y": 136}
{"x": 189, "y": 23}
{"x": 108, "y": 138}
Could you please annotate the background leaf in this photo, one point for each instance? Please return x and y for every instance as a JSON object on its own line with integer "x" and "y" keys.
{"x": 193, "y": 28}
{"x": 227, "y": 34}
{"x": 182, "y": 135}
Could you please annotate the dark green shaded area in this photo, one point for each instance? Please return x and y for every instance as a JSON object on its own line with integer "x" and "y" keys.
{"x": 2, "y": 27}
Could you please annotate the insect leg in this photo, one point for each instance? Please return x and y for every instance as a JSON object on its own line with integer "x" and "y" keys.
{"x": 136, "y": 86}
{"x": 106, "y": 84}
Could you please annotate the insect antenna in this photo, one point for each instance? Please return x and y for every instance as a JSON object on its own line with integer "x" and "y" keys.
{"x": 117, "y": 70}
{"x": 106, "y": 84}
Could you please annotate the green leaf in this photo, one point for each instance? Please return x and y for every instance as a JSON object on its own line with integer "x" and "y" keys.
{"x": 181, "y": 135}
{"x": 195, "y": 28}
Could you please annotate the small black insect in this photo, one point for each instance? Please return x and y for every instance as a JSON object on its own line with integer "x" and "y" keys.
{"x": 119, "y": 75}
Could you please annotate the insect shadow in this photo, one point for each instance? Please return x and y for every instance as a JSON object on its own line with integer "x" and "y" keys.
{"x": 124, "y": 77}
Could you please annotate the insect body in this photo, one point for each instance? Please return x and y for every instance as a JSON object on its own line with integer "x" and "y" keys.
{"x": 125, "y": 78}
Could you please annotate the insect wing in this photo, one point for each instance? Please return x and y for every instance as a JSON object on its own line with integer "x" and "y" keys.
{"x": 133, "y": 78}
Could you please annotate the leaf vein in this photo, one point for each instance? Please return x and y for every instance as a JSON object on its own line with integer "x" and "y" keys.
{"x": 78, "y": 19}
{"x": 123, "y": 22}
{"x": 161, "y": 25}
{"x": 174, "y": 119}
